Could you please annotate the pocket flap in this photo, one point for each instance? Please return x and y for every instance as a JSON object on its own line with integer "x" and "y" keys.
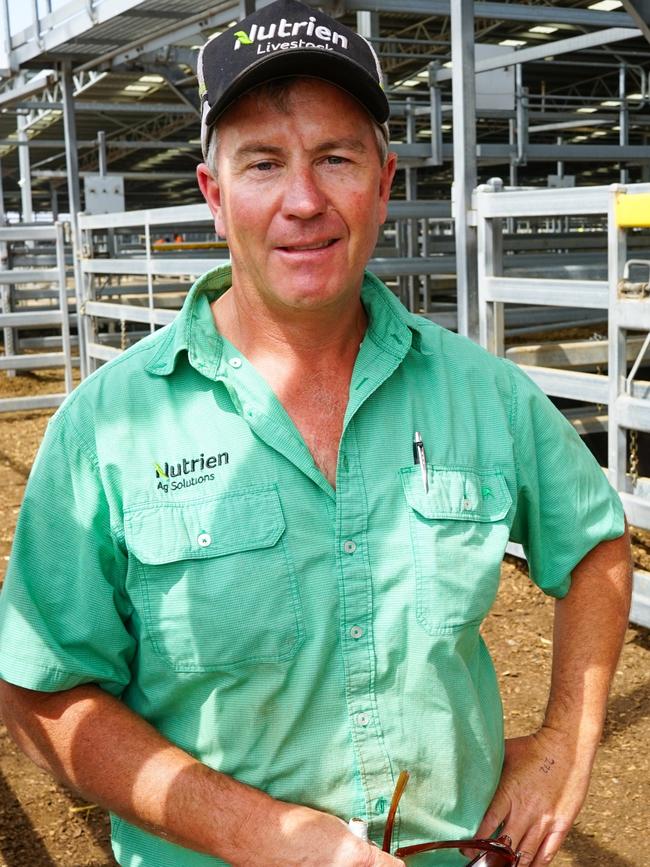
{"x": 235, "y": 521}
{"x": 461, "y": 494}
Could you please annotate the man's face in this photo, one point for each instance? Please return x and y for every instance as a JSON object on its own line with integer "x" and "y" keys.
{"x": 300, "y": 196}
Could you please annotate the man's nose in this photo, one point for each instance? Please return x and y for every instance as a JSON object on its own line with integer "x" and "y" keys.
{"x": 303, "y": 197}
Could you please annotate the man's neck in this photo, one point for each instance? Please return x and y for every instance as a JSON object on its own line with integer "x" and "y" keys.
{"x": 324, "y": 339}
{"x": 307, "y": 359}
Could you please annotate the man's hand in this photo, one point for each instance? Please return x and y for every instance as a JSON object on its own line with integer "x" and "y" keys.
{"x": 298, "y": 836}
{"x": 543, "y": 787}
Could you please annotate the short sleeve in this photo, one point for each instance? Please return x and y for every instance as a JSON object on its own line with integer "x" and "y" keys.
{"x": 565, "y": 505}
{"x": 63, "y": 612}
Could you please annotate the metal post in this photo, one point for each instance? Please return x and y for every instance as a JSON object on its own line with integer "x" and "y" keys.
{"x": 101, "y": 149}
{"x": 560, "y": 163}
{"x": 74, "y": 195}
{"x": 436, "y": 115}
{"x": 521, "y": 96}
{"x": 5, "y": 33}
{"x": 645, "y": 167}
{"x": 37, "y": 22}
{"x": 490, "y": 264}
{"x": 368, "y": 25}
{"x": 465, "y": 172}
{"x": 25, "y": 174}
{"x": 624, "y": 120}
{"x": 617, "y": 361}
{"x": 5, "y": 288}
{"x": 411, "y": 194}
{"x": 512, "y": 141}
{"x": 54, "y": 202}
{"x": 63, "y": 304}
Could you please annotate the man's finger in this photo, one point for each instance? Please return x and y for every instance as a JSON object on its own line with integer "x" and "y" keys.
{"x": 535, "y": 845}
{"x": 549, "y": 848}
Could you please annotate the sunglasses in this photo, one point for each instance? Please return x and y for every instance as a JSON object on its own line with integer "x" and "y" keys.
{"x": 491, "y": 853}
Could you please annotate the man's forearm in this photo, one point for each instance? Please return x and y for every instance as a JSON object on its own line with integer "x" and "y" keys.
{"x": 95, "y": 744}
{"x": 546, "y": 774}
{"x": 92, "y": 742}
{"x": 589, "y": 629}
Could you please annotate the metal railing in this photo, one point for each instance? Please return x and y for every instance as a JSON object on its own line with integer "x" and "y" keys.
{"x": 620, "y": 402}
{"x": 16, "y": 313}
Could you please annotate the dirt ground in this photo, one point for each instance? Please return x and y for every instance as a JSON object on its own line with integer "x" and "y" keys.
{"x": 44, "y": 825}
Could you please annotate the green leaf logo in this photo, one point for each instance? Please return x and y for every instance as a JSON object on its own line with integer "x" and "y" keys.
{"x": 243, "y": 37}
{"x": 160, "y": 473}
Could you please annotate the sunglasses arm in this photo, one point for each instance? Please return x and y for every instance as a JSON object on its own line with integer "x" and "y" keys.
{"x": 508, "y": 858}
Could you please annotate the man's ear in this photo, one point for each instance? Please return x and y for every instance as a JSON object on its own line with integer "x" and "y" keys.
{"x": 385, "y": 183}
{"x": 212, "y": 194}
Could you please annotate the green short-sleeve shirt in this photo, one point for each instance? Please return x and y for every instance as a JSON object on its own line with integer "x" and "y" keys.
{"x": 178, "y": 546}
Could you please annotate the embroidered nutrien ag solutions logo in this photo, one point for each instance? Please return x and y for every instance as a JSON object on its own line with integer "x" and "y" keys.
{"x": 287, "y": 30}
{"x": 188, "y": 472}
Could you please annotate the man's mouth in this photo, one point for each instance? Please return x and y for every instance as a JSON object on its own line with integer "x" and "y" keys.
{"x": 301, "y": 248}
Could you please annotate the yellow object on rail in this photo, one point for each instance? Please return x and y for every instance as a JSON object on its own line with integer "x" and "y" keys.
{"x": 633, "y": 210}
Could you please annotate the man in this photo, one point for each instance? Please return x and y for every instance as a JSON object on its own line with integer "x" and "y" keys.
{"x": 236, "y": 608}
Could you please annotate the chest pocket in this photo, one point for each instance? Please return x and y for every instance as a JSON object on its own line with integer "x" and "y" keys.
{"x": 216, "y": 581}
{"x": 458, "y": 534}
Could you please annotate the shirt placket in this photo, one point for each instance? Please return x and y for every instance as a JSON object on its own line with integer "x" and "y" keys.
{"x": 357, "y": 634}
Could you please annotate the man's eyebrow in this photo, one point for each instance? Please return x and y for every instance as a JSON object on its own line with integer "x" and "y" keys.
{"x": 346, "y": 143}
{"x": 254, "y": 148}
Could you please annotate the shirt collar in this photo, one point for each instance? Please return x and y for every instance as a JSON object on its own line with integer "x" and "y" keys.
{"x": 194, "y": 331}
{"x": 390, "y": 324}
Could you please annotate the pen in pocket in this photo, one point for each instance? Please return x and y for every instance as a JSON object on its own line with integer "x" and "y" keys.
{"x": 419, "y": 457}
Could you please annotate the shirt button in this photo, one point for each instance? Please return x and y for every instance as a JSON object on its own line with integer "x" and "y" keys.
{"x": 204, "y": 539}
{"x": 356, "y": 632}
{"x": 362, "y": 719}
{"x": 235, "y": 362}
{"x": 349, "y": 547}
{"x": 467, "y": 504}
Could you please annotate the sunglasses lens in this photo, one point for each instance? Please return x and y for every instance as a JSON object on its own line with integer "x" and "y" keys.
{"x": 491, "y": 859}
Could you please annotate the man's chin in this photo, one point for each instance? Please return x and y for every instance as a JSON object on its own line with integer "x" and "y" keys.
{"x": 315, "y": 298}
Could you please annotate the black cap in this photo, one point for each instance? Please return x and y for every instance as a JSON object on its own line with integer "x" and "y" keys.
{"x": 284, "y": 39}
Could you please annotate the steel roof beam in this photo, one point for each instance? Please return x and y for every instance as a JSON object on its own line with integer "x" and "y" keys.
{"x": 110, "y": 143}
{"x": 550, "y": 49}
{"x": 115, "y": 107}
{"x": 500, "y": 12}
{"x": 639, "y": 11}
{"x": 50, "y": 174}
{"x": 22, "y": 91}
{"x": 64, "y": 25}
{"x": 196, "y": 24}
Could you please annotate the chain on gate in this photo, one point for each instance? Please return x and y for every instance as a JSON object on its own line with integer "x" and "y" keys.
{"x": 634, "y": 456}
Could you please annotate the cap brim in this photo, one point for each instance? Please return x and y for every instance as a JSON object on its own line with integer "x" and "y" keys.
{"x": 343, "y": 72}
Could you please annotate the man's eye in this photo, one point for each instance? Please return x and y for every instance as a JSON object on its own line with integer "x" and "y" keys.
{"x": 264, "y": 166}
{"x": 336, "y": 160}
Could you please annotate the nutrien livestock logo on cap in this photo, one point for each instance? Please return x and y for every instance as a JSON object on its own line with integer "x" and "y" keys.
{"x": 281, "y": 40}
{"x": 285, "y": 30}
